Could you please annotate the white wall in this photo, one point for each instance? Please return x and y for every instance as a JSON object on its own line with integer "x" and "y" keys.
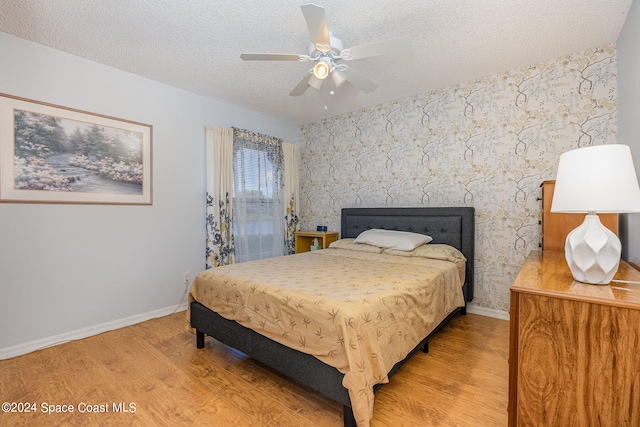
{"x": 71, "y": 268}
{"x": 629, "y": 118}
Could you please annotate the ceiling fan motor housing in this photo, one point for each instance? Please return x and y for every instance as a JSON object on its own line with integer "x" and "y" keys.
{"x": 336, "y": 47}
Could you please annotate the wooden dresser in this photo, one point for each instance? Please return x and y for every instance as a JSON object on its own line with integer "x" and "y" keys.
{"x": 556, "y": 226}
{"x": 574, "y": 354}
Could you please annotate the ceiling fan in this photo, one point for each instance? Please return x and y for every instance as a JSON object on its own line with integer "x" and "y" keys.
{"x": 326, "y": 50}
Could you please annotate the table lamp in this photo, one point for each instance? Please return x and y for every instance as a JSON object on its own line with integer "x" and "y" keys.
{"x": 591, "y": 180}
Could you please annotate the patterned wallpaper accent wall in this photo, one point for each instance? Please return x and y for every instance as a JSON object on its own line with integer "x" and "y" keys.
{"x": 487, "y": 143}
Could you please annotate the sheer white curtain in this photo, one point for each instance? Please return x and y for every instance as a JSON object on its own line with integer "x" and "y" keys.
{"x": 219, "y": 186}
{"x": 258, "y": 203}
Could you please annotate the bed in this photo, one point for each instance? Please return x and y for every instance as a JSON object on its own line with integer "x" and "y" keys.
{"x": 451, "y": 226}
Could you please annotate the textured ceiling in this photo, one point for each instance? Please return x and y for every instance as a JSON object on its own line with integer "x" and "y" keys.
{"x": 196, "y": 44}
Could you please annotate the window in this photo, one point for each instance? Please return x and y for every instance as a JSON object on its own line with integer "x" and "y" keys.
{"x": 258, "y": 225}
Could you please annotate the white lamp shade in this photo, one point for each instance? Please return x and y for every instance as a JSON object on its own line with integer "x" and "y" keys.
{"x": 338, "y": 77}
{"x": 315, "y": 82}
{"x": 321, "y": 70}
{"x": 598, "y": 179}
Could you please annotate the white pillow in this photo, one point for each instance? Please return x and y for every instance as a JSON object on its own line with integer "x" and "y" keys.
{"x": 400, "y": 240}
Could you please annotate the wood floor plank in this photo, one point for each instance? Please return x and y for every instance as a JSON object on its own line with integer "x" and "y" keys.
{"x": 155, "y": 365}
{"x": 297, "y": 398}
{"x": 212, "y": 410}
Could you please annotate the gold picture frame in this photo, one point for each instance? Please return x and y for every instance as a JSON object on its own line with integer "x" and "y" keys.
{"x": 55, "y": 154}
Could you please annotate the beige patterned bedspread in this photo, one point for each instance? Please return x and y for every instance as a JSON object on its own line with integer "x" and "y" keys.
{"x": 358, "y": 312}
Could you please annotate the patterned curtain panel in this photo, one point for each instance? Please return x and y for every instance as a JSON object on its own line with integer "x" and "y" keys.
{"x": 290, "y": 191}
{"x": 258, "y": 199}
{"x": 219, "y": 197}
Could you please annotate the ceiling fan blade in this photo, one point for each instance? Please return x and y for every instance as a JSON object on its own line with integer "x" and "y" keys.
{"x": 386, "y": 47}
{"x": 302, "y": 86}
{"x": 271, "y": 57}
{"x": 358, "y": 80}
{"x": 317, "y": 24}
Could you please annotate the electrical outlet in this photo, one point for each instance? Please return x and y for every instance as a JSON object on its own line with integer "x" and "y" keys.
{"x": 186, "y": 277}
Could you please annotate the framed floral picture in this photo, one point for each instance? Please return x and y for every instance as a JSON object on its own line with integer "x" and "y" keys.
{"x": 54, "y": 154}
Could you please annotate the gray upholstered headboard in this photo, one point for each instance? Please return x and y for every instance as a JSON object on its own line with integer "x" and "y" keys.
{"x": 453, "y": 226}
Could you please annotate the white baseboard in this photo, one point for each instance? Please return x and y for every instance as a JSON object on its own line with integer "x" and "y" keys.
{"x": 498, "y": 314}
{"x": 28, "y": 347}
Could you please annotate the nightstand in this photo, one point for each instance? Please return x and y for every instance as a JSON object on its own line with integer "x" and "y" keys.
{"x": 304, "y": 239}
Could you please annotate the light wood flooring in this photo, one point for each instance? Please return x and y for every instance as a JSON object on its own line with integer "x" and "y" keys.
{"x": 155, "y": 365}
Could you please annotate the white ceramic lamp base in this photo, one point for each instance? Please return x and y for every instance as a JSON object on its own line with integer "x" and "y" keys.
{"x": 593, "y": 252}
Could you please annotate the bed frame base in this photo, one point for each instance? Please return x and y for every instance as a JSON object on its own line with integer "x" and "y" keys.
{"x": 297, "y": 366}
{"x": 349, "y": 419}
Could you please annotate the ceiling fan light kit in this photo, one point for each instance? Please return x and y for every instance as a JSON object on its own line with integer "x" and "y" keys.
{"x": 338, "y": 77}
{"x": 314, "y": 82}
{"x": 322, "y": 69}
{"x": 326, "y": 49}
